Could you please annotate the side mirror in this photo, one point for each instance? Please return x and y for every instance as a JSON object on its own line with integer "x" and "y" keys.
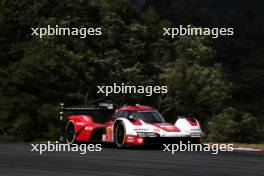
{"x": 131, "y": 117}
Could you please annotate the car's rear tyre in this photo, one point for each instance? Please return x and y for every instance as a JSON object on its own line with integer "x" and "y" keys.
{"x": 120, "y": 135}
{"x": 70, "y": 133}
{"x": 197, "y": 140}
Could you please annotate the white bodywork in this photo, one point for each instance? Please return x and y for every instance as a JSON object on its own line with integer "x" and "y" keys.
{"x": 185, "y": 128}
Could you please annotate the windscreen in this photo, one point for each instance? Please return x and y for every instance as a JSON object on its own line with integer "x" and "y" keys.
{"x": 148, "y": 116}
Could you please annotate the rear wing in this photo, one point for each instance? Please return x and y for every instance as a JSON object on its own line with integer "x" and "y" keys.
{"x": 101, "y": 107}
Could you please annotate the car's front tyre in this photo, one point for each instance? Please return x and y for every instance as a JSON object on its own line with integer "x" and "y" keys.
{"x": 120, "y": 135}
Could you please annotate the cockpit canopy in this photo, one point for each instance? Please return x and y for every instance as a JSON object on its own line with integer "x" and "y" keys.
{"x": 148, "y": 116}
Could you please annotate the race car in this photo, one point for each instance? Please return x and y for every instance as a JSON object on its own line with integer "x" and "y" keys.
{"x": 126, "y": 126}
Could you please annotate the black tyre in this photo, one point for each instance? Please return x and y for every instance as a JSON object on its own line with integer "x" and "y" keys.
{"x": 70, "y": 133}
{"x": 197, "y": 140}
{"x": 120, "y": 135}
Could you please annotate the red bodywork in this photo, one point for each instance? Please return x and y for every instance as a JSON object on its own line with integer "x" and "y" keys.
{"x": 134, "y": 108}
{"x": 85, "y": 125}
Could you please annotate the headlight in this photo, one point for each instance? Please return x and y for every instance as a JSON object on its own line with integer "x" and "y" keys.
{"x": 147, "y": 134}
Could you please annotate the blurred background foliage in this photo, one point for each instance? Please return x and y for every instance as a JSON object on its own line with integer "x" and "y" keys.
{"x": 221, "y": 81}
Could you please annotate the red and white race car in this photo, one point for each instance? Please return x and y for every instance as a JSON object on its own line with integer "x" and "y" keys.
{"x": 127, "y": 125}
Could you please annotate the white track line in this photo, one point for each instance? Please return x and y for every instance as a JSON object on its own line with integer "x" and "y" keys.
{"x": 249, "y": 149}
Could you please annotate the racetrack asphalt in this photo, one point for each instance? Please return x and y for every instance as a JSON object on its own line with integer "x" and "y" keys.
{"x": 18, "y": 160}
